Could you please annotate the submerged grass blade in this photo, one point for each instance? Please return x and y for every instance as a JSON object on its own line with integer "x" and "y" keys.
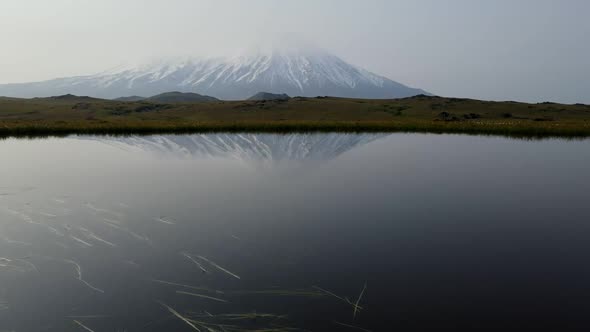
{"x": 185, "y": 254}
{"x": 11, "y": 241}
{"x": 280, "y": 292}
{"x": 338, "y": 297}
{"x": 79, "y": 277}
{"x": 89, "y": 316}
{"x": 113, "y": 225}
{"x": 179, "y": 316}
{"x": 251, "y": 316}
{"x": 328, "y": 292}
{"x": 33, "y": 266}
{"x": 95, "y": 237}
{"x": 187, "y": 286}
{"x": 356, "y": 305}
{"x": 100, "y": 210}
{"x": 351, "y": 326}
{"x": 206, "y": 325}
{"x": 201, "y": 296}
{"x": 83, "y": 326}
{"x": 81, "y": 241}
{"x": 166, "y": 220}
{"x": 219, "y": 267}
{"x": 112, "y": 221}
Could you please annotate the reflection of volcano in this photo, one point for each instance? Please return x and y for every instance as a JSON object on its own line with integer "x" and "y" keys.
{"x": 248, "y": 147}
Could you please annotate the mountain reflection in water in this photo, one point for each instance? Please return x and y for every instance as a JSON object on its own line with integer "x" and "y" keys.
{"x": 246, "y": 147}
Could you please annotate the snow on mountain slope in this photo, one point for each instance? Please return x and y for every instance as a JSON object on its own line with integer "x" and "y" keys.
{"x": 296, "y": 73}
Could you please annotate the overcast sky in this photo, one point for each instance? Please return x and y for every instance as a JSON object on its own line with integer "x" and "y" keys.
{"x": 529, "y": 50}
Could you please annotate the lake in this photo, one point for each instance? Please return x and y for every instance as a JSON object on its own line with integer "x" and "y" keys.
{"x": 298, "y": 232}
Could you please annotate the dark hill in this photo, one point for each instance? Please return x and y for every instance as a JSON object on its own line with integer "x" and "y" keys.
{"x": 130, "y": 98}
{"x": 181, "y": 97}
{"x": 269, "y": 96}
{"x": 71, "y": 97}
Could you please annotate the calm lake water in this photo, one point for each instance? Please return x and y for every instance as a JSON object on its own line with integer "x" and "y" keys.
{"x": 263, "y": 232}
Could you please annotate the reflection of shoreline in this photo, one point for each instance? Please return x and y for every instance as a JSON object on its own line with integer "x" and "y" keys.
{"x": 247, "y": 147}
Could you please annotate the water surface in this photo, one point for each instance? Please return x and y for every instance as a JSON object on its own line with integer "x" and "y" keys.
{"x": 250, "y": 232}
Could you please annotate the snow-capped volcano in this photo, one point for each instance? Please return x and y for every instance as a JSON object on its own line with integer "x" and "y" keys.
{"x": 294, "y": 72}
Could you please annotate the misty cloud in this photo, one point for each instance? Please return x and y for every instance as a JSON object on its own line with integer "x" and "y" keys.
{"x": 529, "y": 50}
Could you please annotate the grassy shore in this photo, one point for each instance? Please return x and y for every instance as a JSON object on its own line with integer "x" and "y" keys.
{"x": 81, "y": 115}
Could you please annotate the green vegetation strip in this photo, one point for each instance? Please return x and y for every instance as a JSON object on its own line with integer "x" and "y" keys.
{"x": 421, "y": 114}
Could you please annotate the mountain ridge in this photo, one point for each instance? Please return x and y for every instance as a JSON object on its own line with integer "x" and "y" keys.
{"x": 307, "y": 74}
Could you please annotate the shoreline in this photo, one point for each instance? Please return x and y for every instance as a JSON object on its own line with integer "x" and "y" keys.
{"x": 73, "y": 115}
{"x": 485, "y": 129}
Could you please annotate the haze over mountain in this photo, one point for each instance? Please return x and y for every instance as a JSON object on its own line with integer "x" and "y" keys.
{"x": 527, "y": 50}
{"x": 306, "y": 72}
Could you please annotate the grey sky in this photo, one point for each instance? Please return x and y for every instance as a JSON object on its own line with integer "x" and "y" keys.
{"x": 530, "y": 50}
